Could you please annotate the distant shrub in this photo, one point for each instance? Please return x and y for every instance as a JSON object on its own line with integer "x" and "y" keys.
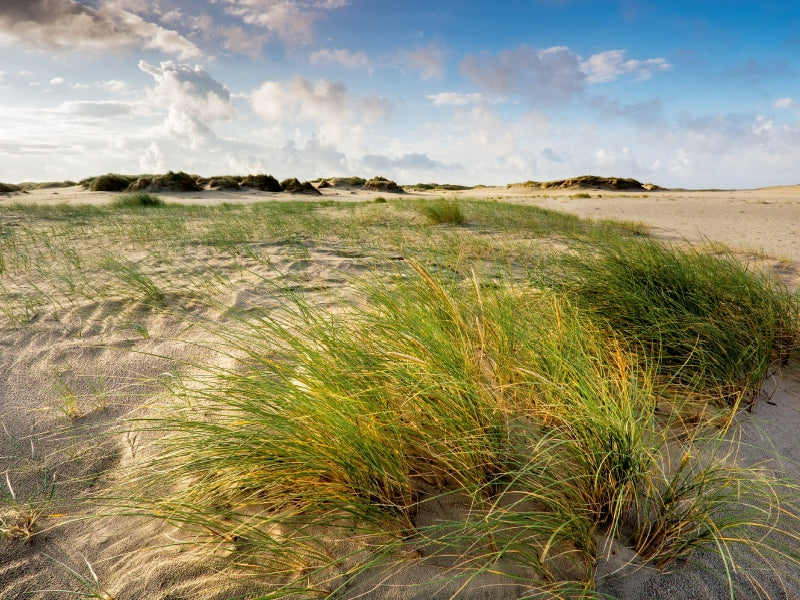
{"x": 265, "y": 183}
{"x": 383, "y": 185}
{"x": 179, "y": 182}
{"x": 46, "y": 185}
{"x": 293, "y": 186}
{"x": 137, "y": 199}
{"x": 220, "y": 182}
{"x": 347, "y": 182}
{"x": 443, "y": 211}
{"x": 111, "y": 182}
{"x": 581, "y": 195}
{"x": 380, "y": 200}
{"x": 422, "y": 187}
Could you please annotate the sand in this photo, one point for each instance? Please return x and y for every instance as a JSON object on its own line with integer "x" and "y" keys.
{"x": 114, "y": 369}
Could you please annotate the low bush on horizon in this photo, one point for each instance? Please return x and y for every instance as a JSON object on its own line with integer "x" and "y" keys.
{"x": 110, "y": 182}
{"x": 438, "y": 186}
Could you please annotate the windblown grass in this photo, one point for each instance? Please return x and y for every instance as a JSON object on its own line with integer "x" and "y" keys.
{"x": 425, "y": 393}
{"x": 443, "y": 211}
{"x": 487, "y": 412}
{"x": 705, "y": 319}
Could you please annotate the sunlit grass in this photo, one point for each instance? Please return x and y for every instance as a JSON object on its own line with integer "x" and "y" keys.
{"x": 480, "y": 397}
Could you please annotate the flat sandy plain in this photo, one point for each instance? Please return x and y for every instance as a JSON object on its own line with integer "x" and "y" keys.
{"x": 763, "y": 221}
{"x": 96, "y": 350}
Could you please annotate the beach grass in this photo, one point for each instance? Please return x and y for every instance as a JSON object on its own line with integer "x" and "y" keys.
{"x": 138, "y": 198}
{"x": 483, "y": 400}
{"x": 422, "y": 391}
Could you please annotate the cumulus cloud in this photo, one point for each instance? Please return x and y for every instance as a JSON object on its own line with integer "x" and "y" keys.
{"x": 458, "y": 99}
{"x": 428, "y": 61}
{"x": 289, "y": 20}
{"x": 69, "y": 25}
{"x": 785, "y": 103}
{"x": 548, "y": 76}
{"x": 415, "y": 161}
{"x": 192, "y": 98}
{"x": 101, "y": 109}
{"x": 338, "y": 56}
{"x": 236, "y": 39}
{"x": 610, "y": 65}
{"x": 551, "y": 75}
{"x": 325, "y": 103}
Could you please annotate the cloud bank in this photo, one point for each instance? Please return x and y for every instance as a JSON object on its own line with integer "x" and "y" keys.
{"x": 551, "y": 75}
{"x": 66, "y": 25}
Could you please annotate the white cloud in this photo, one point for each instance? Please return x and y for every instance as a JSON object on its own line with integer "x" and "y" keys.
{"x": 458, "y": 99}
{"x": 290, "y": 20}
{"x": 101, "y": 109}
{"x": 610, "y": 65}
{"x": 115, "y": 86}
{"x": 327, "y": 104}
{"x": 428, "y": 61}
{"x": 57, "y": 81}
{"x": 67, "y": 25}
{"x": 243, "y": 42}
{"x": 346, "y": 58}
{"x": 551, "y": 75}
{"x": 192, "y": 98}
{"x": 785, "y": 103}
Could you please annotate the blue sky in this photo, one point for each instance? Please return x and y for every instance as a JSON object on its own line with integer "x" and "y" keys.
{"x": 682, "y": 94}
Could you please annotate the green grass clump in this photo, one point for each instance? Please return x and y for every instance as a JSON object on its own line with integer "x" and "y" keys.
{"x": 111, "y": 182}
{"x": 704, "y": 319}
{"x": 507, "y": 400}
{"x": 179, "y": 182}
{"x": 423, "y": 187}
{"x": 265, "y": 183}
{"x": 138, "y": 199}
{"x": 443, "y": 211}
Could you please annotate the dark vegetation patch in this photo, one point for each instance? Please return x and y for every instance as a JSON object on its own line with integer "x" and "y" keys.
{"x": 137, "y": 199}
{"x": 46, "y": 185}
{"x": 448, "y": 187}
{"x": 294, "y": 186}
{"x": 110, "y": 182}
{"x": 264, "y": 183}
{"x": 381, "y": 184}
{"x": 347, "y": 182}
{"x": 590, "y": 182}
{"x": 220, "y": 182}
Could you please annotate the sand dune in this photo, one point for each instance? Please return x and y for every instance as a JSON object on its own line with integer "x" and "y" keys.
{"x": 72, "y": 376}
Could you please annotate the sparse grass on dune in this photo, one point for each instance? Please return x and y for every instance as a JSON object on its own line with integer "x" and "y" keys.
{"x": 138, "y": 199}
{"x": 425, "y": 393}
{"x": 488, "y": 410}
{"x": 705, "y": 319}
{"x": 443, "y": 211}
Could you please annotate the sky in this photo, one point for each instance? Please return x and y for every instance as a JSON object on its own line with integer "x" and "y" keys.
{"x": 694, "y": 94}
